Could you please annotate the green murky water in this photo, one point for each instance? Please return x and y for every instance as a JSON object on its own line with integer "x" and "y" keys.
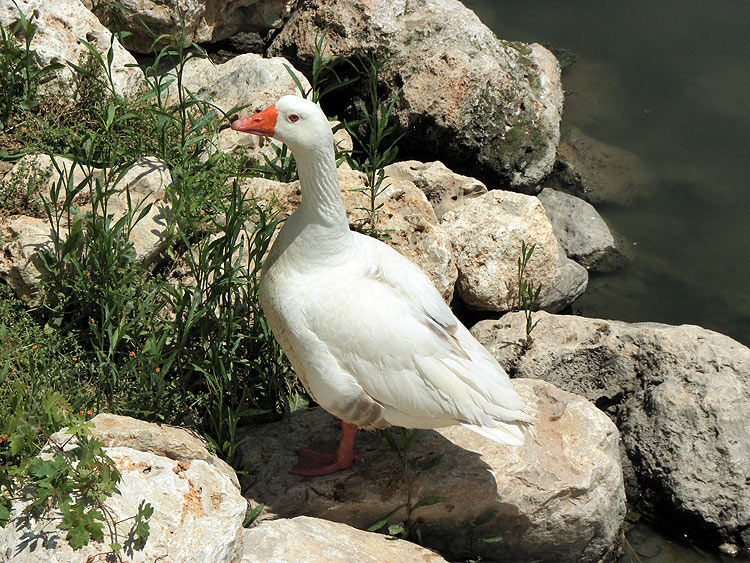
{"x": 669, "y": 82}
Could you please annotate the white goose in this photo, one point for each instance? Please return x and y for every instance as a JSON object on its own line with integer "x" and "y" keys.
{"x": 365, "y": 330}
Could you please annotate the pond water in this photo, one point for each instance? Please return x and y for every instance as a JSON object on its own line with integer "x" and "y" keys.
{"x": 669, "y": 82}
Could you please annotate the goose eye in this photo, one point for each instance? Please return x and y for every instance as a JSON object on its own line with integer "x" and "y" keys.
{"x": 293, "y": 117}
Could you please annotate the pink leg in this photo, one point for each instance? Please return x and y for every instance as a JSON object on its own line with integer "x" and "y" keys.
{"x": 328, "y": 459}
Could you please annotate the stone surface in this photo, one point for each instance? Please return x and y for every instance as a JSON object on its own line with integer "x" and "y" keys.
{"x": 444, "y": 189}
{"x": 483, "y": 106}
{"x": 25, "y": 237}
{"x": 679, "y": 395}
{"x": 598, "y": 172}
{"x": 60, "y": 25}
{"x": 312, "y": 540}
{"x": 581, "y": 231}
{"x": 205, "y": 21}
{"x": 406, "y": 218}
{"x": 198, "y": 509}
{"x": 558, "y": 498}
{"x": 486, "y": 233}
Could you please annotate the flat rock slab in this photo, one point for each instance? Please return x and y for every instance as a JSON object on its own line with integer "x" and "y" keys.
{"x": 312, "y": 540}
{"x": 558, "y": 498}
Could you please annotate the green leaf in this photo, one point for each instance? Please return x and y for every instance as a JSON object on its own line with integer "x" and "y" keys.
{"x": 429, "y": 501}
{"x": 491, "y": 539}
{"x": 395, "y": 529}
{"x": 78, "y": 536}
{"x": 253, "y": 514}
{"x": 484, "y": 517}
{"x": 384, "y": 520}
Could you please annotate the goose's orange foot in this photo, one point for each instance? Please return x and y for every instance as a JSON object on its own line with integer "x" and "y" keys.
{"x": 327, "y": 459}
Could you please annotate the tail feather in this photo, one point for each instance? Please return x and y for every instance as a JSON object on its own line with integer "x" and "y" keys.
{"x": 511, "y": 434}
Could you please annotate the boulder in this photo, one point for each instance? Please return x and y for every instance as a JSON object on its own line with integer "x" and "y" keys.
{"x": 205, "y": 21}
{"x": 444, "y": 189}
{"x": 581, "y": 231}
{"x": 558, "y": 498}
{"x": 598, "y": 172}
{"x": 679, "y": 395}
{"x": 406, "y": 220}
{"x": 486, "y": 233}
{"x": 25, "y": 237}
{"x": 312, "y": 540}
{"x": 483, "y": 106}
{"x": 60, "y": 26}
{"x": 198, "y": 509}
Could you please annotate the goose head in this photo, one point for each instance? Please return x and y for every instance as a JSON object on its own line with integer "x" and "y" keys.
{"x": 298, "y": 123}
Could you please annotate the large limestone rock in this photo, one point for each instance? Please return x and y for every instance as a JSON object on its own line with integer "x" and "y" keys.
{"x": 679, "y": 395}
{"x": 407, "y": 220}
{"x": 486, "y": 233}
{"x": 205, "y": 21}
{"x": 582, "y": 232}
{"x": 483, "y": 106}
{"x": 25, "y": 237}
{"x": 444, "y": 189}
{"x": 312, "y": 540}
{"x": 198, "y": 509}
{"x": 60, "y": 25}
{"x": 558, "y": 498}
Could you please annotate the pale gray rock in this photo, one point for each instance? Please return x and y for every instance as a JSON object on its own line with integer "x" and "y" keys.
{"x": 679, "y": 395}
{"x": 444, "y": 189}
{"x": 599, "y": 173}
{"x": 22, "y": 240}
{"x": 198, "y": 509}
{"x": 486, "y": 233}
{"x": 483, "y": 106}
{"x": 406, "y": 219}
{"x": 312, "y": 540}
{"x": 205, "y": 21}
{"x": 60, "y": 25}
{"x": 582, "y": 232}
{"x": 560, "y": 497}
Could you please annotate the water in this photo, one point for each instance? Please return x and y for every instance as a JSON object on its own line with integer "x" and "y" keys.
{"x": 668, "y": 81}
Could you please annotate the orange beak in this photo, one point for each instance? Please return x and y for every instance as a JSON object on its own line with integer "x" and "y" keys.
{"x": 261, "y": 123}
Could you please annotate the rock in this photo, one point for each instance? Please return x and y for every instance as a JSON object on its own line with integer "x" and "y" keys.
{"x": 581, "y": 231}
{"x": 60, "y": 25}
{"x": 599, "y": 173}
{"x": 559, "y": 498}
{"x": 20, "y": 262}
{"x": 406, "y": 218}
{"x": 311, "y": 540}
{"x": 21, "y": 266}
{"x": 486, "y": 233}
{"x": 247, "y": 42}
{"x": 679, "y": 395}
{"x": 247, "y": 80}
{"x": 484, "y": 107}
{"x": 176, "y": 443}
{"x": 198, "y": 509}
{"x": 205, "y": 21}
{"x": 444, "y": 189}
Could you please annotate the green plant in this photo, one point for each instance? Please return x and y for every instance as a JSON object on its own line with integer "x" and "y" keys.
{"x": 324, "y": 78}
{"x": 408, "y": 528}
{"x": 376, "y": 138}
{"x": 19, "y": 73}
{"x": 19, "y": 191}
{"x": 528, "y": 294}
{"x": 75, "y": 477}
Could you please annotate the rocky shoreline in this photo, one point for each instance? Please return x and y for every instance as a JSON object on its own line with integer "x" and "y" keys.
{"x": 646, "y": 413}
